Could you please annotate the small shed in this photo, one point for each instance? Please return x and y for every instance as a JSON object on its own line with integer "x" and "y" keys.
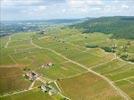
{"x": 48, "y": 65}
{"x": 44, "y": 88}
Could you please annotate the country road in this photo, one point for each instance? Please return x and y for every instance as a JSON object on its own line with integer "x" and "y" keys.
{"x": 9, "y": 39}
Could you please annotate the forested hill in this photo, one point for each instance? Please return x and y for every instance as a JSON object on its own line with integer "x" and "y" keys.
{"x": 120, "y": 27}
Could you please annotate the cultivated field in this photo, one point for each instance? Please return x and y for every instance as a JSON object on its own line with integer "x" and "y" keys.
{"x": 121, "y": 73}
{"x": 88, "y": 87}
{"x": 11, "y": 79}
{"x": 81, "y": 69}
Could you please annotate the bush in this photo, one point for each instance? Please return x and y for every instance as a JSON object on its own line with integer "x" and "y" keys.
{"x": 131, "y": 60}
{"x": 124, "y": 57}
{"x": 91, "y": 46}
{"x": 108, "y": 49}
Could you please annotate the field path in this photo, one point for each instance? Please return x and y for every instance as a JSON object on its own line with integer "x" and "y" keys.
{"x": 6, "y": 45}
{"x": 102, "y": 63}
{"x": 31, "y": 86}
{"x": 57, "y": 86}
{"x": 127, "y": 79}
{"x": 119, "y": 91}
{"x": 42, "y": 80}
{"x": 10, "y": 94}
{"x": 60, "y": 93}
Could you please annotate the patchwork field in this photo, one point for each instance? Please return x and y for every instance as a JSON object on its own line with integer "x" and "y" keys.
{"x": 72, "y": 62}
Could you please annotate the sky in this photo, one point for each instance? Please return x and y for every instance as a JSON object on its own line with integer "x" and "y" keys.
{"x": 64, "y": 9}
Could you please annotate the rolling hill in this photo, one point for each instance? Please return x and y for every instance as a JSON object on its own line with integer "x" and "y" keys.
{"x": 119, "y": 26}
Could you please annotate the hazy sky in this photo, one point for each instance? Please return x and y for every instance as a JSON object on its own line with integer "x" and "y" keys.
{"x": 56, "y": 9}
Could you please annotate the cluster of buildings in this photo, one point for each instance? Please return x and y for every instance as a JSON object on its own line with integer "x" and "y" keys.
{"x": 45, "y": 87}
{"x": 31, "y": 75}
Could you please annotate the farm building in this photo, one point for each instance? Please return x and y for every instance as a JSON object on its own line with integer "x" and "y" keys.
{"x": 31, "y": 75}
{"x": 48, "y": 65}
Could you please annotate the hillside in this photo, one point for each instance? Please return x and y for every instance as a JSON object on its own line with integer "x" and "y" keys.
{"x": 120, "y": 27}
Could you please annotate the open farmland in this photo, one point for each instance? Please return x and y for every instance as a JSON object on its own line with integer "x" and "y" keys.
{"x": 74, "y": 63}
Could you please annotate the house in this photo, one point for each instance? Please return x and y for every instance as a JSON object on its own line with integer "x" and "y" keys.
{"x": 31, "y": 75}
{"x": 50, "y": 64}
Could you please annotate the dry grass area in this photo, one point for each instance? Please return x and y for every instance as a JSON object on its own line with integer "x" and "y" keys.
{"x": 11, "y": 79}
